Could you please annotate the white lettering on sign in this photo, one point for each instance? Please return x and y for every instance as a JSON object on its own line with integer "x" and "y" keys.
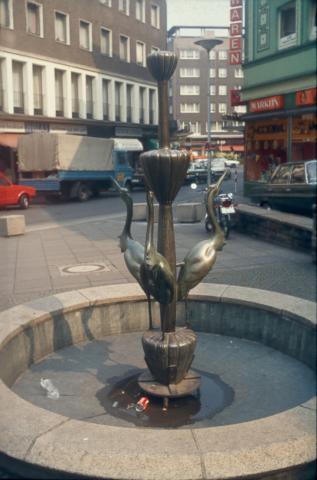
{"x": 235, "y": 3}
{"x": 269, "y": 103}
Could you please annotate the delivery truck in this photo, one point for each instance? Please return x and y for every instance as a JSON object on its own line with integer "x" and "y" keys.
{"x": 74, "y": 166}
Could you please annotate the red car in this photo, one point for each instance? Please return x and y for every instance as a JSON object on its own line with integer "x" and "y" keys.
{"x": 11, "y": 194}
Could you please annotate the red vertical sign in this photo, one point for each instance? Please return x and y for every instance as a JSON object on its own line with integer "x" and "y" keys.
{"x": 235, "y": 41}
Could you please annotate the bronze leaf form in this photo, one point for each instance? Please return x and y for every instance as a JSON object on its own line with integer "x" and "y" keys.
{"x": 162, "y": 65}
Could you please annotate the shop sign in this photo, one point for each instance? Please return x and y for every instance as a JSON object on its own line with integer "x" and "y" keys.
{"x": 12, "y": 127}
{"x": 235, "y": 40}
{"x": 128, "y": 132}
{"x": 265, "y": 104}
{"x": 235, "y": 57}
{"x": 235, "y": 3}
{"x": 236, "y": 29}
{"x": 306, "y": 97}
{"x": 235, "y": 43}
{"x": 236, "y": 14}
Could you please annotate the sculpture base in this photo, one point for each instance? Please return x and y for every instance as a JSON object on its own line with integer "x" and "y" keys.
{"x": 189, "y": 384}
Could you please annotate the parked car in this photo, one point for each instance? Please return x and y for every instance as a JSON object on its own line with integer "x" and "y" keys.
{"x": 292, "y": 187}
{"x": 218, "y": 167}
{"x": 232, "y": 163}
{"x": 197, "y": 173}
{"x": 11, "y": 194}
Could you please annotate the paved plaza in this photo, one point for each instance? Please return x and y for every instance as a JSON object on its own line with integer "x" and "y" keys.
{"x": 37, "y": 263}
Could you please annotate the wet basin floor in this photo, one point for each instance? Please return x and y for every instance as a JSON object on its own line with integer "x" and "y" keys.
{"x": 240, "y": 381}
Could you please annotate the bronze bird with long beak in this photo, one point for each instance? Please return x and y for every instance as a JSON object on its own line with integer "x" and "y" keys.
{"x": 201, "y": 258}
{"x": 133, "y": 250}
{"x": 156, "y": 274}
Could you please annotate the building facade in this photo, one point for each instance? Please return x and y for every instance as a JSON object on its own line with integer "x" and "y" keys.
{"x": 78, "y": 66}
{"x": 189, "y": 87}
{"x": 280, "y": 85}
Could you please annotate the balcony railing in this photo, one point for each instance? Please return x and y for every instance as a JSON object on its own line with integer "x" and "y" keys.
{"x": 18, "y": 102}
{"x": 38, "y": 100}
{"x": 59, "y": 106}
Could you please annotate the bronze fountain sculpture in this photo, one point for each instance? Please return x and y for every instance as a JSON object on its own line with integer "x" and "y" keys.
{"x": 169, "y": 352}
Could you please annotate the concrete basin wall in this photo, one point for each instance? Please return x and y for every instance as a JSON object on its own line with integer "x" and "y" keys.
{"x": 45, "y": 440}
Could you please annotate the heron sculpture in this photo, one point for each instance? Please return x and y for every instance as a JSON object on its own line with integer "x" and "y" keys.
{"x": 156, "y": 274}
{"x": 201, "y": 258}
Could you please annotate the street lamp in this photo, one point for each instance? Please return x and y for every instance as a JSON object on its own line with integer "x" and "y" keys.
{"x": 208, "y": 44}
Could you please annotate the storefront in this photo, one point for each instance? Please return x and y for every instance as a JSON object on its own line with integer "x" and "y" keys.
{"x": 278, "y": 129}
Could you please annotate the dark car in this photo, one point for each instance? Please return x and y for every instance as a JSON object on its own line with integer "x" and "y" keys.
{"x": 292, "y": 187}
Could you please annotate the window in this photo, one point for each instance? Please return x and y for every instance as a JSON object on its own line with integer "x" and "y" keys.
{"x": 142, "y": 93}
{"x": 105, "y": 98}
{"x": 62, "y": 27}
{"x": 287, "y": 25}
{"x": 212, "y": 55}
{"x": 140, "y": 53}
{"x": 240, "y": 109}
{"x": 152, "y": 100}
{"x": 222, "y": 54}
{"x": 118, "y": 100}
{"x": 154, "y": 49}
{"x": 140, "y": 10}
{"x": 75, "y": 94}
{"x": 189, "y": 72}
{"x": 155, "y": 16}
{"x": 18, "y": 87}
{"x": 124, "y": 6}
{"x": 124, "y": 48}
{"x": 222, "y": 73}
{"x": 6, "y": 14}
{"x": 238, "y": 73}
{"x": 59, "y": 93}
{"x": 85, "y": 35}
{"x": 38, "y": 89}
{"x": 106, "y": 3}
{"x": 190, "y": 54}
{"x": 212, "y": 107}
{"x": 222, "y": 108}
{"x": 189, "y": 90}
{"x": 222, "y": 89}
{"x": 190, "y": 108}
{"x": 212, "y": 72}
{"x": 34, "y": 19}
{"x": 129, "y": 102}
{"x": 212, "y": 90}
{"x": 106, "y": 42}
{"x": 89, "y": 96}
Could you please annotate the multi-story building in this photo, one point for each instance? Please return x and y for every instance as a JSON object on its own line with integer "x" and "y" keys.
{"x": 189, "y": 87}
{"x": 280, "y": 85}
{"x": 78, "y": 66}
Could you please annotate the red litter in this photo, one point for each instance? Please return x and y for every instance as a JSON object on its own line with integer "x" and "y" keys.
{"x": 142, "y": 404}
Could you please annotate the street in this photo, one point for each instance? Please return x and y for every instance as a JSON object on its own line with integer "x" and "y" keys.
{"x": 64, "y": 234}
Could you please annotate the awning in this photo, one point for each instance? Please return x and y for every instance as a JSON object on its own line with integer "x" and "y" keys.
{"x": 9, "y": 140}
{"x": 128, "y": 145}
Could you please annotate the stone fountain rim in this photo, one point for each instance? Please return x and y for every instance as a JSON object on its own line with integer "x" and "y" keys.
{"x": 58, "y": 443}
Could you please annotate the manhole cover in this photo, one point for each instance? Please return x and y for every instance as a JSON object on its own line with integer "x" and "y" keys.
{"x": 84, "y": 268}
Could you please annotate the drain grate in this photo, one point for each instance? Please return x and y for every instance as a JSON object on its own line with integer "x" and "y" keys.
{"x": 84, "y": 268}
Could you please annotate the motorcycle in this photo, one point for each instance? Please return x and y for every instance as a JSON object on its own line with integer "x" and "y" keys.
{"x": 224, "y": 209}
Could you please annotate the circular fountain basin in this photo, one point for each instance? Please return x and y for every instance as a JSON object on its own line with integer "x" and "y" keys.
{"x": 259, "y": 345}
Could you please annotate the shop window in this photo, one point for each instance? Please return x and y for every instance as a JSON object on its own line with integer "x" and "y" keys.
{"x": 106, "y": 41}
{"x": 62, "y": 27}
{"x": 34, "y": 19}
{"x": 124, "y": 48}
{"x": 6, "y": 13}
{"x": 287, "y": 25}
{"x": 85, "y": 35}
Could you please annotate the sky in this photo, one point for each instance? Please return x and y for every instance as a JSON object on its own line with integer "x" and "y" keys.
{"x": 197, "y": 12}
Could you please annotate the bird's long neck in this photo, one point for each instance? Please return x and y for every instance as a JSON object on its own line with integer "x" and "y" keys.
{"x": 126, "y": 232}
{"x": 149, "y": 240}
{"x": 218, "y": 239}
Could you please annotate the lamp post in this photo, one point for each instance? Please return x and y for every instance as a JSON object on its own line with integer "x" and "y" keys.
{"x": 208, "y": 44}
